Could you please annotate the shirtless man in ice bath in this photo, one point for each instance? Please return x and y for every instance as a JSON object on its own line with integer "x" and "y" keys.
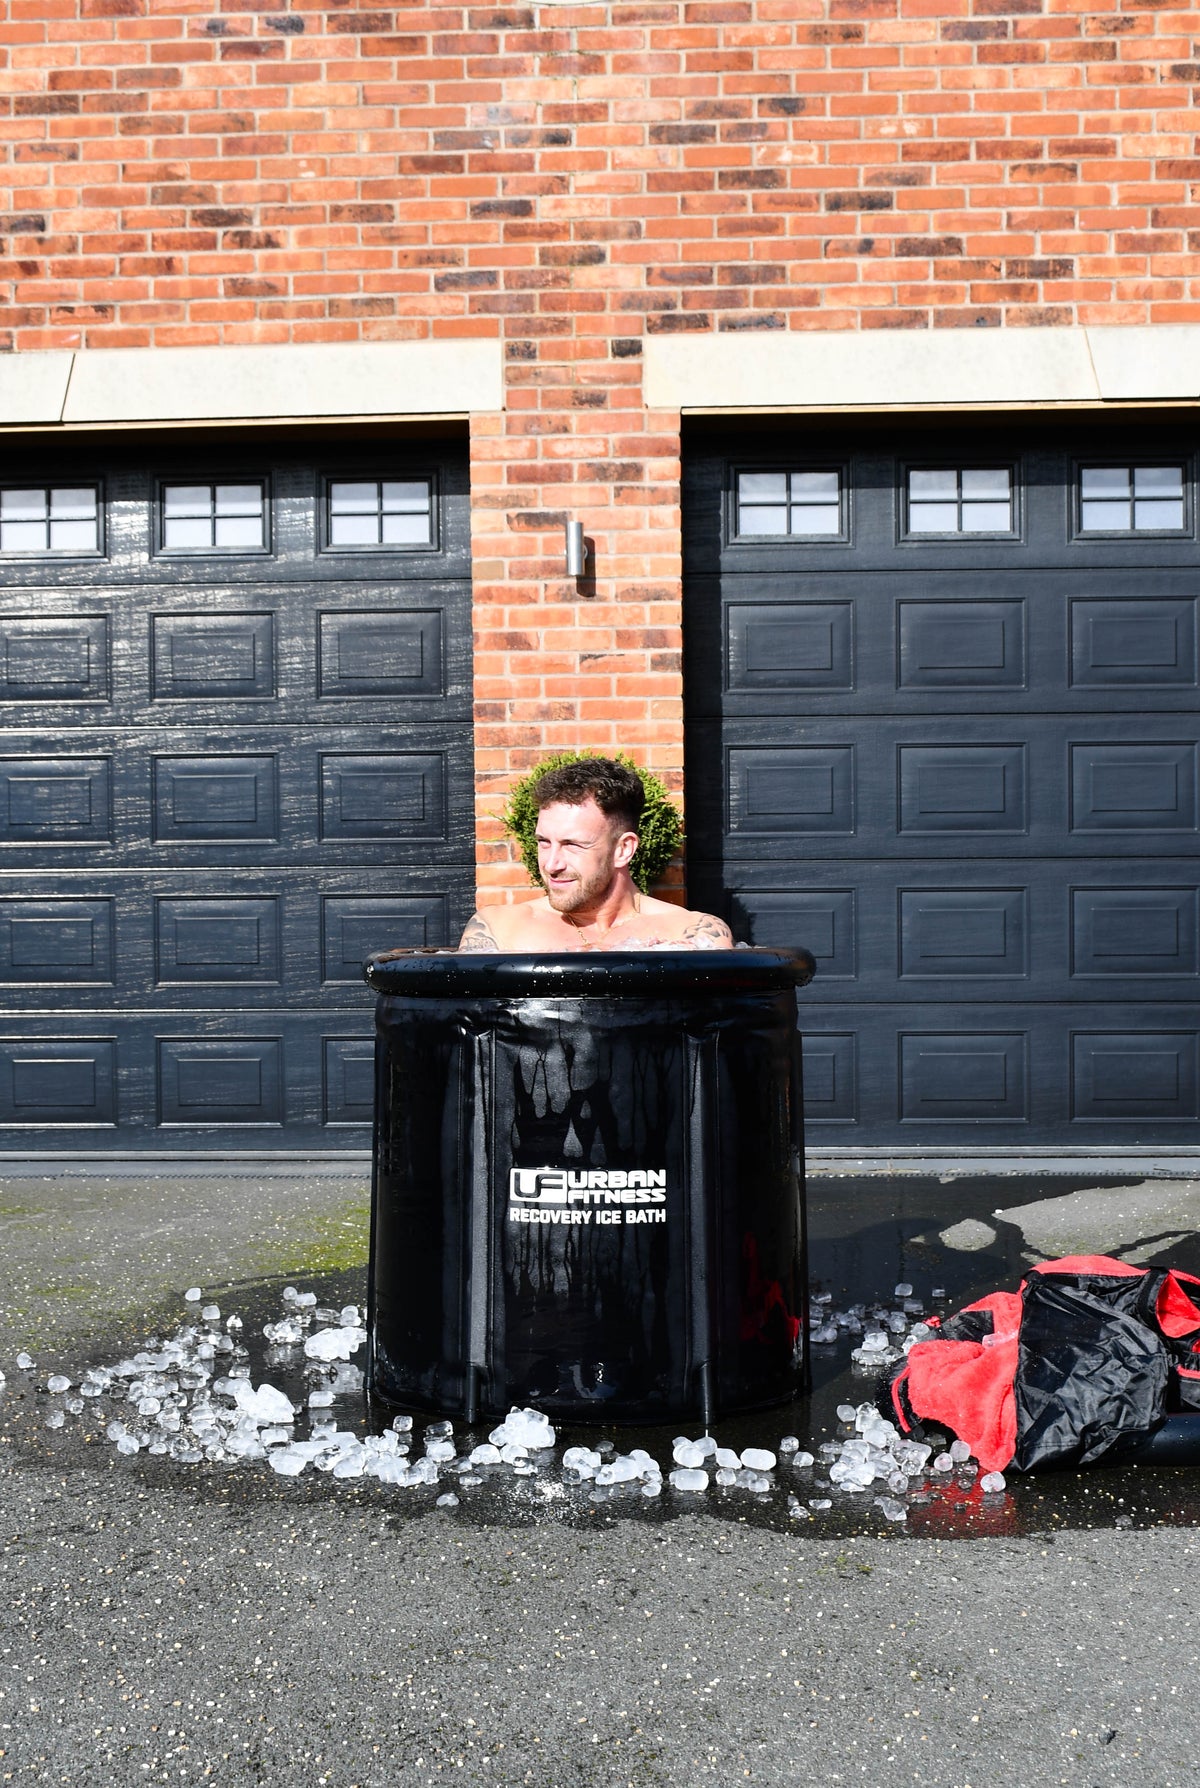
{"x": 588, "y": 815}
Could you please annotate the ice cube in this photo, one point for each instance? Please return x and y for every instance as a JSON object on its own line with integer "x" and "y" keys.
{"x": 689, "y": 1454}
{"x": 266, "y": 1404}
{"x": 960, "y": 1451}
{"x": 193, "y": 1294}
{"x": 349, "y": 1316}
{"x": 819, "y": 1502}
{"x": 448, "y": 1501}
{"x": 211, "y": 1313}
{"x": 487, "y": 1454}
{"x": 846, "y": 1412}
{"x": 576, "y": 1459}
{"x": 527, "y": 1428}
{"x": 689, "y": 1478}
{"x": 306, "y": 1300}
{"x": 797, "y": 1510}
{"x": 758, "y": 1459}
{"x": 402, "y": 1424}
{"x": 726, "y": 1475}
{"x": 803, "y": 1460}
{"x": 992, "y": 1482}
{"x": 789, "y": 1444}
{"x": 652, "y": 1487}
{"x": 25, "y": 1362}
{"x": 943, "y": 1463}
{"x": 55, "y": 1419}
{"x": 903, "y": 1290}
{"x": 334, "y": 1344}
{"x": 618, "y": 1471}
{"x": 56, "y": 1383}
{"x": 320, "y": 1399}
{"x": 286, "y": 1461}
{"x": 129, "y": 1443}
{"x": 389, "y": 1468}
{"x": 440, "y": 1450}
{"x": 284, "y": 1333}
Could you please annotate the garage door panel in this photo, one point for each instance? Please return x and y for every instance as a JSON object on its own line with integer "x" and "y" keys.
{"x": 1046, "y": 518}
{"x": 903, "y": 788}
{"x": 186, "y": 1082}
{"x": 974, "y": 931}
{"x": 225, "y": 656}
{"x": 333, "y": 656}
{"x": 168, "y": 796}
{"x": 292, "y": 938}
{"x": 944, "y": 644}
{"x": 1144, "y": 642}
{"x": 993, "y": 1075}
{"x": 54, "y": 658}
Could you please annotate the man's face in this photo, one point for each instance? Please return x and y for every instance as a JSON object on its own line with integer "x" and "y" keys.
{"x": 579, "y": 852}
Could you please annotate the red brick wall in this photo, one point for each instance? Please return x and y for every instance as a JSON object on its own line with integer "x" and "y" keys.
{"x": 569, "y": 178}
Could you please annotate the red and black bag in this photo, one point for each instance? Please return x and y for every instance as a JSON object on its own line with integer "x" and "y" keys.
{"x": 1083, "y": 1362}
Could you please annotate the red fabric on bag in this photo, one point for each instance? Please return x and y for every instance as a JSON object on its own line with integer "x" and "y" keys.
{"x": 969, "y": 1387}
{"x": 1177, "y": 1315}
{"x": 1090, "y": 1266}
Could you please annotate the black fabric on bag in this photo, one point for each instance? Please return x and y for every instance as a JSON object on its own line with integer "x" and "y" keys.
{"x": 1092, "y": 1377}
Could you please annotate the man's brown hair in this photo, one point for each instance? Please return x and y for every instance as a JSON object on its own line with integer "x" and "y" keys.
{"x": 616, "y": 789}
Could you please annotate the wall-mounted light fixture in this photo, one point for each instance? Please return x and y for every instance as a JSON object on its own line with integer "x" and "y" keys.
{"x": 576, "y": 551}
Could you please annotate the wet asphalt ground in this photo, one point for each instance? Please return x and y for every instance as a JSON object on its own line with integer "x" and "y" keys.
{"x": 167, "y": 1623}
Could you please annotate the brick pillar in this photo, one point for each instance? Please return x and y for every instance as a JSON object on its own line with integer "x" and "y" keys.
{"x": 563, "y": 664}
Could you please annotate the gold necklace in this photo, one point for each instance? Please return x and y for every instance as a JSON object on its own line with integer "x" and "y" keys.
{"x": 596, "y": 943}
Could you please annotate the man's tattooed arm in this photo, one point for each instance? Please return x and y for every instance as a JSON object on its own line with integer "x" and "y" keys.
{"x": 706, "y": 933}
{"x": 477, "y": 939}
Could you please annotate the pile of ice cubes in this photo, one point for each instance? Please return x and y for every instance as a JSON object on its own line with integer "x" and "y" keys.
{"x": 192, "y": 1398}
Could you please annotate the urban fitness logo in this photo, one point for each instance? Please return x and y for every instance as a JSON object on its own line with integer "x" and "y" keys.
{"x": 587, "y": 1195}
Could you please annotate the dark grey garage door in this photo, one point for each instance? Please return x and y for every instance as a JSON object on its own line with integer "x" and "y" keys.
{"x": 236, "y": 756}
{"x": 942, "y": 728}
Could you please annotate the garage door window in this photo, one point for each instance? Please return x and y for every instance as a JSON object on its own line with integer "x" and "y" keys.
{"x": 49, "y": 519}
{"x": 960, "y": 500}
{"x": 1131, "y": 500}
{"x": 380, "y": 512}
{"x": 795, "y": 504}
{"x": 214, "y": 518}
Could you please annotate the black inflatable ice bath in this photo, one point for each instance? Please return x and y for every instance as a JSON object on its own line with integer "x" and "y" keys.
{"x": 588, "y": 1183}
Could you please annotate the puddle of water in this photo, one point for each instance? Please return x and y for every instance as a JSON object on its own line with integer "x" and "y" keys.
{"x": 942, "y": 1505}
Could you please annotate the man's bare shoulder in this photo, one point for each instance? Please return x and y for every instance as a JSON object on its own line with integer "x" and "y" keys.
{"x": 478, "y": 938}
{"x": 691, "y": 930}
{"x": 502, "y": 928}
{"x": 704, "y": 931}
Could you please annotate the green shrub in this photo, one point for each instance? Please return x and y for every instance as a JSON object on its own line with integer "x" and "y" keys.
{"x": 660, "y": 833}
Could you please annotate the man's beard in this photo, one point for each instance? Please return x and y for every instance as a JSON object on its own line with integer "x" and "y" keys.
{"x": 583, "y": 892}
